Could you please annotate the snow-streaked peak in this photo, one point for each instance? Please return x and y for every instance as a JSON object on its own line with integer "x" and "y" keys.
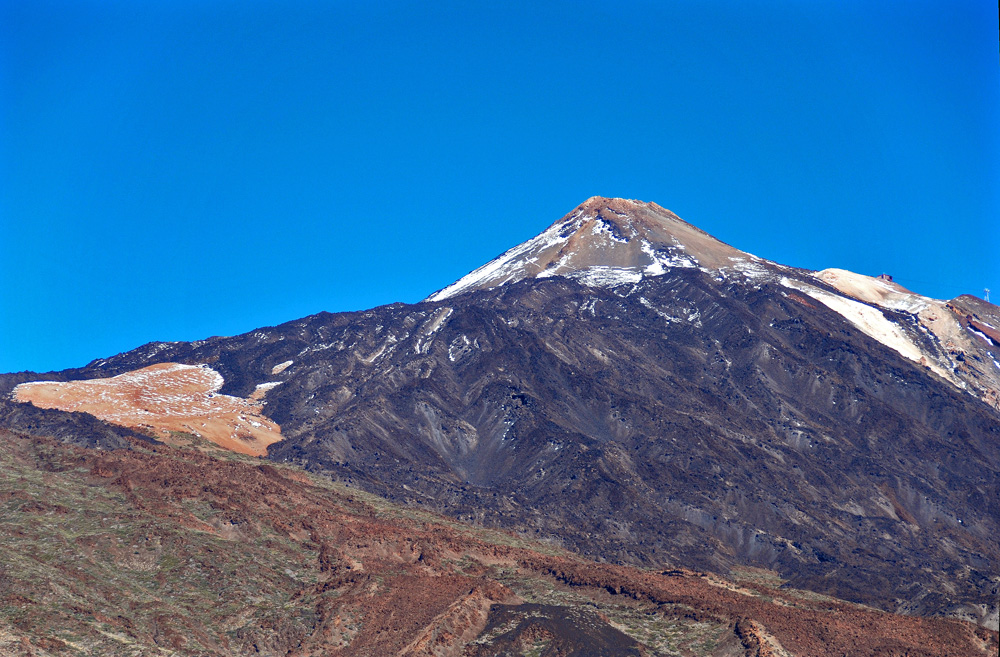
{"x": 612, "y": 242}
{"x": 603, "y": 242}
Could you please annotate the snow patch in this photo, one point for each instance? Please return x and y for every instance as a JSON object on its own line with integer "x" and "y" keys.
{"x": 753, "y": 269}
{"x": 649, "y": 304}
{"x": 281, "y": 367}
{"x": 437, "y": 321}
{"x": 425, "y": 336}
{"x": 507, "y": 267}
{"x": 663, "y": 260}
{"x": 980, "y": 334}
{"x": 871, "y": 322}
{"x": 606, "y": 276}
{"x": 601, "y": 228}
{"x": 460, "y": 347}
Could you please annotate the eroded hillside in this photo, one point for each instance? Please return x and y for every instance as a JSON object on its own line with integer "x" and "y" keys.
{"x": 157, "y": 550}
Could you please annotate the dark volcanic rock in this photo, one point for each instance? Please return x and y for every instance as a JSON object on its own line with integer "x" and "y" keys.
{"x": 550, "y": 631}
{"x": 76, "y": 428}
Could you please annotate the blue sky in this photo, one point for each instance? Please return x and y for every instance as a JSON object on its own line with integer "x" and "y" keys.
{"x": 174, "y": 170}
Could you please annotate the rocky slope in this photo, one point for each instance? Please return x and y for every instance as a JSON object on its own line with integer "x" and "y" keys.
{"x": 154, "y": 550}
{"x": 610, "y": 242}
{"x": 635, "y": 390}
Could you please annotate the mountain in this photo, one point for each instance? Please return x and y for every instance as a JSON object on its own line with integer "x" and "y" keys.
{"x": 611, "y": 242}
{"x": 627, "y": 387}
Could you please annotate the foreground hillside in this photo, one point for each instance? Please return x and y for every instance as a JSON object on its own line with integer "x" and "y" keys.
{"x": 156, "y": 550}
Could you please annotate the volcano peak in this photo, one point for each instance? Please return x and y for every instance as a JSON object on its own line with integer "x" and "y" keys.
{"x": 603, "y": 241}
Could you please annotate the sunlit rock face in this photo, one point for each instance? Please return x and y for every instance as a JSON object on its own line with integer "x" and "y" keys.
{"x": 163, "y": 398}
{"x": 604, "y": 242}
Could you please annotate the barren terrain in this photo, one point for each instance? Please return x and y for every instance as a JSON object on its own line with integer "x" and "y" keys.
{"x": 163, "y": 398}
{"x": 157, "y": 550}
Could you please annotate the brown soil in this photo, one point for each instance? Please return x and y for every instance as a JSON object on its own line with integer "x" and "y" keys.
{"x": 161, "y": 399}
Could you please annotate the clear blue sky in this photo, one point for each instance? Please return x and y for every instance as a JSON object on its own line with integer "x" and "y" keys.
{"x": 174, "y": 170}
